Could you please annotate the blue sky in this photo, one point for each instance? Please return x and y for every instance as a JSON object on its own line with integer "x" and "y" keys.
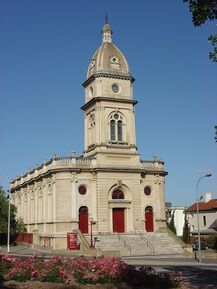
{"x": 44, "y": 53}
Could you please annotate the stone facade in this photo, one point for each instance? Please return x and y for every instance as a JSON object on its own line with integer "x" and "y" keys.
{"x": 108, "y": 184}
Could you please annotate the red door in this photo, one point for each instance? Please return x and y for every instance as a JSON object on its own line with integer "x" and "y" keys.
{"x": 83, "y": 220}
{"x": 118, "y": 220}
{"x": 149, "y": 226}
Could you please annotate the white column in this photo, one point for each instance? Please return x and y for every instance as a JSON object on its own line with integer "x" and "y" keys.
{"x": 86, "y": 132}
{"x": 29, "y": 209}
{"x": 35, "y": 206}
{"x": 54, "y": 198}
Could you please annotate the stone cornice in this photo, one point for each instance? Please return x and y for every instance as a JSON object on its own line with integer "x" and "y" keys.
{"x": 109, "y": 75}
{"x": 91, "y": 170}
{"x": 105, "y": 98}
{"x": 81, "y": 164}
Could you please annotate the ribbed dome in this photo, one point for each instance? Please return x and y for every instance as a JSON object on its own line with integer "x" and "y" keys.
{"x": 108, "y": 58}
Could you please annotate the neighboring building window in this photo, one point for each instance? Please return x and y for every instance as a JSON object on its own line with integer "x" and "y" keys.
{"x": 116, "y": 127}
{"x": 82, "y": 190}
{"x": 147, "y": 191}
{"x": 117, "y": 194}
{"x": 204, "y": 220}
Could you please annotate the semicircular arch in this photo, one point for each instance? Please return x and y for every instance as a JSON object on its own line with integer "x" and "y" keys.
{"x": 124, "y": 188}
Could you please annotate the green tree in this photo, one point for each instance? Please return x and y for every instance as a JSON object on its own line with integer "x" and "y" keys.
{"x": 203, "y": 10}
{"x": 20, "y": 226}
{"x": 4, "y": 214}
{"x": 186, "y": 231}
{"x": 170, "y": 220}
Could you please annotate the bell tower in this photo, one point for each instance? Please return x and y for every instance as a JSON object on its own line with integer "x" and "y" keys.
{"x": 109, "y": 104}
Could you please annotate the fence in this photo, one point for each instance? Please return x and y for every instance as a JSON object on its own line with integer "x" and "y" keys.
{"x": 24, "y": 238}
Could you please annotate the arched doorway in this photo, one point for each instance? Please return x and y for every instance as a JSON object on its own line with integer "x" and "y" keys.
{"x": 118, "y": 213}
{"x": 149, "y": 225}
{"x": 83, "y": 219}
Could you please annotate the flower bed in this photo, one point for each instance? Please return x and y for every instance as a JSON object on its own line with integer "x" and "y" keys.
{"x": 85, "y": 271}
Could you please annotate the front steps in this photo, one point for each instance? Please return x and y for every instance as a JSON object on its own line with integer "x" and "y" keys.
{"x": 138, "y": 244}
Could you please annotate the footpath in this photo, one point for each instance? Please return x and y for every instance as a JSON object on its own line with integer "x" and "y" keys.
{"x": 152, "y": 260}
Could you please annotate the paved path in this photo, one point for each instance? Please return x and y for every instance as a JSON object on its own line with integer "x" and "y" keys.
{"x": 198, "y": 275}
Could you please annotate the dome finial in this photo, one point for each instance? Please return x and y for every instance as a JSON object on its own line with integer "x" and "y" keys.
{"x": 106, "y": 31}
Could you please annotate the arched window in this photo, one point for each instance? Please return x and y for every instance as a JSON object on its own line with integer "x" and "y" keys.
{"x": 116, "y": 127}
{"x": 112, "y": 129}
{"x": 117, "y": 194}
{"x": 119, "y": 130}
{"x": 148, "y": 209}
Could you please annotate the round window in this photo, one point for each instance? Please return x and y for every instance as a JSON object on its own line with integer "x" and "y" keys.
{"x": 115, "y": 88}
{"x": 147, "y": 191}
{"x": 82, "y": 190}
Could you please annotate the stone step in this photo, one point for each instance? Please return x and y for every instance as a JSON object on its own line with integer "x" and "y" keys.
{"x": 135, "y": 244}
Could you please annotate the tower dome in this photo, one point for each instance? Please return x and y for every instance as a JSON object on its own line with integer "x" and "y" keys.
{"x": 108, "y": 58}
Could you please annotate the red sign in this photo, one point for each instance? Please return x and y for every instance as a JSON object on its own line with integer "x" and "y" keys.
{"x": 72, "y": 240}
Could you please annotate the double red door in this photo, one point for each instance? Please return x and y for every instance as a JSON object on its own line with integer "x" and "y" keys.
{"x": 83, "y": 220}
{"x": 118, "y": 220}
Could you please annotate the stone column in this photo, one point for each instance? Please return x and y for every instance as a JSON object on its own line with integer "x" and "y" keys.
{"x": 74, "y": 196}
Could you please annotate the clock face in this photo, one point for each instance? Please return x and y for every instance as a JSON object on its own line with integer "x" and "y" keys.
{"x": 115, "y": 88}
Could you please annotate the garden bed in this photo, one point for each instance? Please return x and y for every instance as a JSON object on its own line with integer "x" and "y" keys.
{"x": 47, "y": 285}
{"x": 82, "y": 273}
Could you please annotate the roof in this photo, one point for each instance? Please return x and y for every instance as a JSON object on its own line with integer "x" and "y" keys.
{"x": 213, "y": 225}
{"x": 108, "y": 57}
{"x": 203, "y": 206}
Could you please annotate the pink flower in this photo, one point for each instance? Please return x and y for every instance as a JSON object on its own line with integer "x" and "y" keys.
{"x": 34, "y": 273}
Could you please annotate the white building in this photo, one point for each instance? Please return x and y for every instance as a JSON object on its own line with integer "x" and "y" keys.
{"x": 207, "y": 216}
{"x": 179, "y": 217}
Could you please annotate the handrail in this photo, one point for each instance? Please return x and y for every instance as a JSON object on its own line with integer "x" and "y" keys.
{"x": 124, "y": 242}
{"x": 142, "y": 236}
{"x": 84, "y": 243}
{"x": 176, "y": 238}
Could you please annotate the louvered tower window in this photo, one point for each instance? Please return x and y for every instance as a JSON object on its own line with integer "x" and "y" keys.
{"x": 116, "y": 127}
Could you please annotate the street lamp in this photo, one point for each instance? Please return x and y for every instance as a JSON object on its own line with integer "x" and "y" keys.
{"x": 9, "y": 220}
{"x": 91, "y": 232}
{"x": 198, "y": 223}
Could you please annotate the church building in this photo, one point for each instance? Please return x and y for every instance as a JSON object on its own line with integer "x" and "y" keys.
{"x": 108, "y": 190}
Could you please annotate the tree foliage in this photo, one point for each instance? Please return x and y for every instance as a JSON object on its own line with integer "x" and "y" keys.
{"x": 203, "y": 10}
{"x": 4, "y": 214}
{"x": 20, "y": 226}
{"x": 186, "y": 231}
{"x": 170, "y": 220}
